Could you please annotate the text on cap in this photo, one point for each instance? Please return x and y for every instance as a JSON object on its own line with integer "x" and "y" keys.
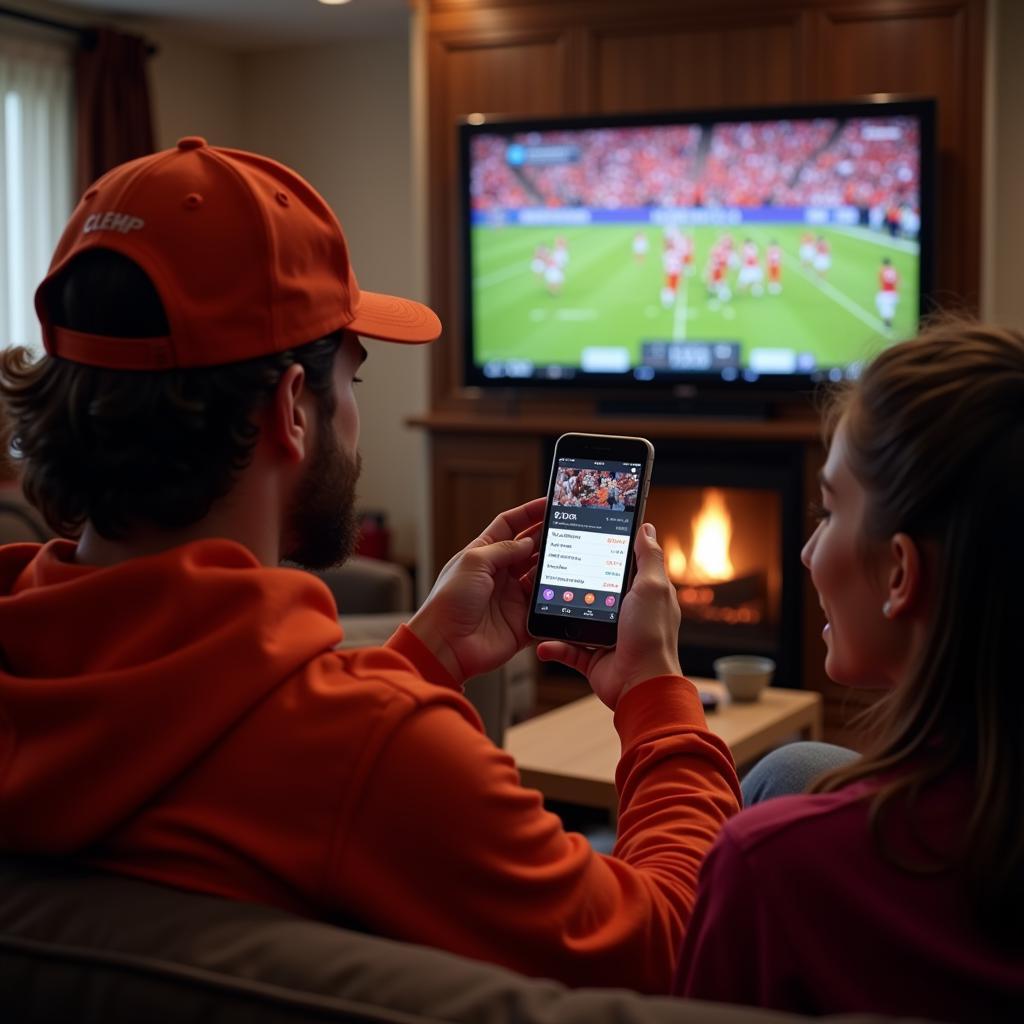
{"x": 112, "y": 221}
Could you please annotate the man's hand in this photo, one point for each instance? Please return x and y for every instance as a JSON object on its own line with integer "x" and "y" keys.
{"x": 475, "y": 616}
{"x": 648, "y": 643}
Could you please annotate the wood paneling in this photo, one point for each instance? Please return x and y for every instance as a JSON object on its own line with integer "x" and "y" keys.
{"x": 530, "y": 57}
{"x": 527, "y": 76}
{"x": 696, "y": 67}
{"x": 524, "y": 71}
{"x": 921, "y": 50}
{"x": 543, "y": 57}
{"x": 474, "y": 479}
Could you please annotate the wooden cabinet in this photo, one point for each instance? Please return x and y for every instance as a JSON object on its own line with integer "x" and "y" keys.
{"x": 928, "y": 50}
{"x": 475, "y": 477}
{"x": 698, "y": 64}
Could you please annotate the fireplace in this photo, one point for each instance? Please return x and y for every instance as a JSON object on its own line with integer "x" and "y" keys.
{"x": 723, "y": 554}
{"x": 729, "y": 519}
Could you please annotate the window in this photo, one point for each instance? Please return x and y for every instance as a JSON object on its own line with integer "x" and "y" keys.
{"x": 35, "y": 175}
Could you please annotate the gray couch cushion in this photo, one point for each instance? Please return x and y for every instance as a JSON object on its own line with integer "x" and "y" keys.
{"x": 365, "y": 586}
{"x": 86, "y": 947}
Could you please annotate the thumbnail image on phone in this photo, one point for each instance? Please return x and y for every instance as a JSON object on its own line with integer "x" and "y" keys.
{"x": 596, "y": 498}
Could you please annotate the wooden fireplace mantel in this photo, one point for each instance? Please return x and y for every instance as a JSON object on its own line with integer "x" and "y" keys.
{"x": 804, "y": 430}
{"x": 483, "y": 462}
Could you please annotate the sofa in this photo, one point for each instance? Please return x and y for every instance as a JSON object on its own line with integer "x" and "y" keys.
{"x": 78, "y": 947}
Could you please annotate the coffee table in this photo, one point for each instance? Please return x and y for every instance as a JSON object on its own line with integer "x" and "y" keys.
{"x": 570, "y": 753}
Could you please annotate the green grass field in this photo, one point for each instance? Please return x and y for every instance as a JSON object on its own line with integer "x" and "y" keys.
{"x": 609, "y": 298}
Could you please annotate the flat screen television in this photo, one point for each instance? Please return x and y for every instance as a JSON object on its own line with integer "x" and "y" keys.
{"x": 745, "y": 250}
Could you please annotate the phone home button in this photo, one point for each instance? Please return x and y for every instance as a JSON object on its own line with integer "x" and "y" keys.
{"x": 572, "y": 630}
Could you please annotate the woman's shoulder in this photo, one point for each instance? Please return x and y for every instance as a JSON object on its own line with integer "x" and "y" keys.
{"x": 847, "y": 815}
{"x": 803, "y": 821}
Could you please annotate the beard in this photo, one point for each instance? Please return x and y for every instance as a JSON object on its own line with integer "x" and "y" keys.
{"x": 322, "y": 528}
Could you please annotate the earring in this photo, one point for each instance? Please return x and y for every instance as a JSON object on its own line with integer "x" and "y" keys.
{"x": 887, "y": 609}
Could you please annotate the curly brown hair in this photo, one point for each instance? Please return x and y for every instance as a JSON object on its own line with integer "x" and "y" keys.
{"x": 122, "y": 447}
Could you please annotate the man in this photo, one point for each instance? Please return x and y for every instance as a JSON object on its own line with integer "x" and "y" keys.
{"x": 822, "y": 256}
{"x": 751, "y": 273}
{"x": 773, "y": 254}
{"x": 672, "y": 264}
{"x": 174, "y": 706}
{"x": 888, "y": 296}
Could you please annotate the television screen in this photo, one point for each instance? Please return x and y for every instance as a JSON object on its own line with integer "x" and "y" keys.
{"x": 757, "y": 248}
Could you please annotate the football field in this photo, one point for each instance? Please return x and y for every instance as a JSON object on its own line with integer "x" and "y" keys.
{"x": 609, "y": 297}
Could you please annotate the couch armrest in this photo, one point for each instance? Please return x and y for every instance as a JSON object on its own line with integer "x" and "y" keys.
{"x": 366, "y": 586}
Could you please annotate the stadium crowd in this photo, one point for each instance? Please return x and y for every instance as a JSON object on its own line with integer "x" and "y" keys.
{"x": 822, "y": 162}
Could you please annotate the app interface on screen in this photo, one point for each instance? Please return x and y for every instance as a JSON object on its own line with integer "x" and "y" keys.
{"x": 590, "y": 519}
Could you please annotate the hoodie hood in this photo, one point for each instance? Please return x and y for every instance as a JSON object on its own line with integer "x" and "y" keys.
{"x": 114, "y": 681}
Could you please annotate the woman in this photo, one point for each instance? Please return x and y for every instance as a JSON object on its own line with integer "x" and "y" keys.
{"x": 897, "y": 885}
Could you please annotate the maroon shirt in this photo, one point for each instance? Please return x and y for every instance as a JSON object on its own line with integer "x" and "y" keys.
{"x": 797, "y": 910}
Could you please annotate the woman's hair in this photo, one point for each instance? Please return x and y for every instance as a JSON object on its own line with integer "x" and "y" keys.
{"x": 122, "y": 447}
{"x": 934, "y": 431}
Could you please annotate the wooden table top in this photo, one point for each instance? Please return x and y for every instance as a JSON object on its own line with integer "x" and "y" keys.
{"x": 570, "y": 753}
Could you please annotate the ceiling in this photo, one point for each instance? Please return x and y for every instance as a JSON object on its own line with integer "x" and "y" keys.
{"x": 259, "y": 24}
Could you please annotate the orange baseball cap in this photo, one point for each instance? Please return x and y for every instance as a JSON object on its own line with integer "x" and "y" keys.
{"x": 245, "y": 255}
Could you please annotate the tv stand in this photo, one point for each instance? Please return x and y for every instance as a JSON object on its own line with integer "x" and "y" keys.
{"x": 689, "y": 406}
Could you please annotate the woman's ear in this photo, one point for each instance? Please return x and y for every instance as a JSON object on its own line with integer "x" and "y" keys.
{"x": 287, "y": 418}
{"x": 905, "y": 585}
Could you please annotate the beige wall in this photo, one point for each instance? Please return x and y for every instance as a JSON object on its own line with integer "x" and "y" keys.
{"x": 196, "y": 90}
{"x": 340, "y": 115}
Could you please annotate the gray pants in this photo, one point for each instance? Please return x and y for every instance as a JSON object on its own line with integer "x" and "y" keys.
{"x": 791, "y": 769}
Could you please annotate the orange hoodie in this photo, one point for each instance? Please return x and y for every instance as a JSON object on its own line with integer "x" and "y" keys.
{"x": 185, "y": 718}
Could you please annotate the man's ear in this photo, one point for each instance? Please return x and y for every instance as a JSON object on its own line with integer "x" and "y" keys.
{"x": 905, "y": 586}
{"x": 287, "y": 419}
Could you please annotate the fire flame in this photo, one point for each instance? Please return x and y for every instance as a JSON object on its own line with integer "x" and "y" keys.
{"x": 675, "y": 560}
{"x": 712, "y": 531}
{"x": 698, "y": 573}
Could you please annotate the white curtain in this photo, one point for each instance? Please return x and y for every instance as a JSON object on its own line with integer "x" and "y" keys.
{"x": 36, "y": 147}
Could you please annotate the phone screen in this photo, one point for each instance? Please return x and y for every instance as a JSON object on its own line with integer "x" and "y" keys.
{"x": 592, "y": 508}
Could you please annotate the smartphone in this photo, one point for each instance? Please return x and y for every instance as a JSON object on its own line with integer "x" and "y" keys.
{"x": 596, "y": 498}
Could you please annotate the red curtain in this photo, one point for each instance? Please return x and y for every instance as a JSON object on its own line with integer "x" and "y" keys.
{"x": 113, "y": 117}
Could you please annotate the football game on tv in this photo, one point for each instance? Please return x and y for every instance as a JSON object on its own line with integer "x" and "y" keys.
{"x": 736, "y": 248}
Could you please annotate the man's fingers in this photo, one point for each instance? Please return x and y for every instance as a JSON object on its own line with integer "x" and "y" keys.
{"x": 650, "y": 559}
{"x": 651, "y": 580}
{"x": 505, "y": 553}
{"x": 527, "y": 578}
{"x": 532, "y": 531}
{"x": 513, "y": 522}
{"x": 577, "y": 658}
